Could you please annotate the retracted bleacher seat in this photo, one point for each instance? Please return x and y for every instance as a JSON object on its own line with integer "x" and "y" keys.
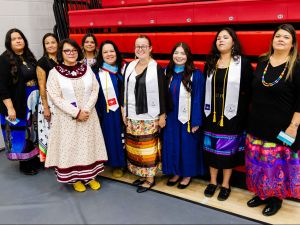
{"x": 254, "y": 43}
{"x": 122, "y": 3}
{"x": 191, "y": 13}
{"x": 155, "y": 14}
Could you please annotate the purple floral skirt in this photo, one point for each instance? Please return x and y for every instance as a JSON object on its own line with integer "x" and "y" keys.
{"x": 272, "y": 170}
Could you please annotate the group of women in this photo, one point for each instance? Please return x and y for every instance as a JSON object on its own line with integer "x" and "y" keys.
{"x": 178, "y": 119}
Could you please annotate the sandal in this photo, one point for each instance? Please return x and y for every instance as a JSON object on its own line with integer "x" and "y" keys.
{"x": 142, "y": 189}
{"x": 138, "y": 182}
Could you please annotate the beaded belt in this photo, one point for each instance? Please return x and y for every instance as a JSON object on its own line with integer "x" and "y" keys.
{"x": 31, "y": 83}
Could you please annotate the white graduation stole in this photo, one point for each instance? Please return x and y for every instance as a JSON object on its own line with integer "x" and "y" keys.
{"x": 151, "y": 86}
{"x": 108, "y": 90}
{"x": 232, "y": 90}
{"x": 184, "y": 107}
{"x": 67, "y": 89}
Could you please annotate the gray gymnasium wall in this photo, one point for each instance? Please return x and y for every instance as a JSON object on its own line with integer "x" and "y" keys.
{"x": 33, "y": 17}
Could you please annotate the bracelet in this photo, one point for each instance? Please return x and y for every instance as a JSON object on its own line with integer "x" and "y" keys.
{"x": 296, "y": 125}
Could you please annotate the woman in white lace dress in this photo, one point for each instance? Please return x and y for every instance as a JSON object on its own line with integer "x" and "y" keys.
{"x": 76, "y": 147}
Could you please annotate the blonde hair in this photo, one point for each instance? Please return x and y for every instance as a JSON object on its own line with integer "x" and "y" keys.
{"x": 293, "y": 54}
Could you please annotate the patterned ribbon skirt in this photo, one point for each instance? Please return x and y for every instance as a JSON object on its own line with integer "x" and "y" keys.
{"x": 21, "y": 139}
{"x": 273, "y": 170}
{"x": 143, "y": 147}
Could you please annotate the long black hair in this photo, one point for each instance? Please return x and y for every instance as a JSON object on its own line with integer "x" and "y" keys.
{"x": 44, "y": 38}
{"x": 188, "y": 69}
{"x": 94, "y": 39}
{"x": 69, "y": 41}
{"x": 119, "y": 60}
{"x": 214, "y": 54}
{"x": 13, "y": 58}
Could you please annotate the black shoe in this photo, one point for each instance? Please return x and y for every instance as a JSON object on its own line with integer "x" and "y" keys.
{"x": 272, "y": 207}
{"x": 138, "y": 182}
{"x": 172, "y": 183}
{"x": 256, "y": 201}
{"x": 36, "y": 163}
{"x": 224, "y": 194}
{"x": 183, "y": 186}
{"x": 29, "y": 171}
{"x": 142, "y": 189}
{"x": 210, "y": 190}
{"x": 26, "y": 168}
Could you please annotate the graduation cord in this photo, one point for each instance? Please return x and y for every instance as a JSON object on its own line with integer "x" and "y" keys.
{"x": 189, "y": 113}
{"x": 223, "y": 97}
{"x": 106, "y": 81}
{"x": 214, "y": 113}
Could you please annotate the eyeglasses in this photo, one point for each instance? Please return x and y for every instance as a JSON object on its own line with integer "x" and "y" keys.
{"x": 142, "y": 47}
{"x": 69, "y": 51}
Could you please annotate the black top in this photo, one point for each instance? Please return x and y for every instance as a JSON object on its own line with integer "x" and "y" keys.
{"x": 46, "y": 64}
{"x": 141, "y": 94}
{"x": 273, "y": 107}
{"x": 237, "y": 124}
{"x": 15, "y": 91}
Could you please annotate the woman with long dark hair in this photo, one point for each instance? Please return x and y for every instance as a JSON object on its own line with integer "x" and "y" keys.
{"x": 44, "y": 65}
{"x": 227, "y": 99}
{"x": 181, "y": 154}
{"x": 76, "y": 149}
{"x": 89, "y": 48}
{"x": 110, "y": 78}
{"x": 272, "y": 159}
{"x": 19, "y": 99}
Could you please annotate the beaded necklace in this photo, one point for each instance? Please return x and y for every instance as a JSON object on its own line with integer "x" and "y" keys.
{"x": 266, "y": 84}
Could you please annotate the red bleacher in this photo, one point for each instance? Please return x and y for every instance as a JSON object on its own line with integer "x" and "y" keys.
{"x": 178, "y": 14}
{"x": 191, "y": 13}
{"x": 200, "y": 42}
{"x": 122, "y": 3}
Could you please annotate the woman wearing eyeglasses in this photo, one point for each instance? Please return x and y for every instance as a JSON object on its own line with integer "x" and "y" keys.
{"x": 76, "y": 147}
{"x": 19, "y": 99}
{"x": 144, "y": 114}
{"x": 45, "y": 64}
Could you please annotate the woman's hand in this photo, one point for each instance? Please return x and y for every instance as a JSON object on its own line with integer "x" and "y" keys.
{"x": 162, "y": 121}
{"x": 124, "y": 120}
{"x": 83, "y": 116}
{"x": 194, "y": 129}
{"x": 12, "y": 114}
{"x": 292, "y": 131}
{"x": 47, "y": 114}
{"x": 123, "y": 116}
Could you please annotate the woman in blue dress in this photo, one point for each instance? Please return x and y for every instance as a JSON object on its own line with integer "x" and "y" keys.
{"x": 181, "y": 154}
{"x": 19, "y": 96}
{"x": 111, "y": 80}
